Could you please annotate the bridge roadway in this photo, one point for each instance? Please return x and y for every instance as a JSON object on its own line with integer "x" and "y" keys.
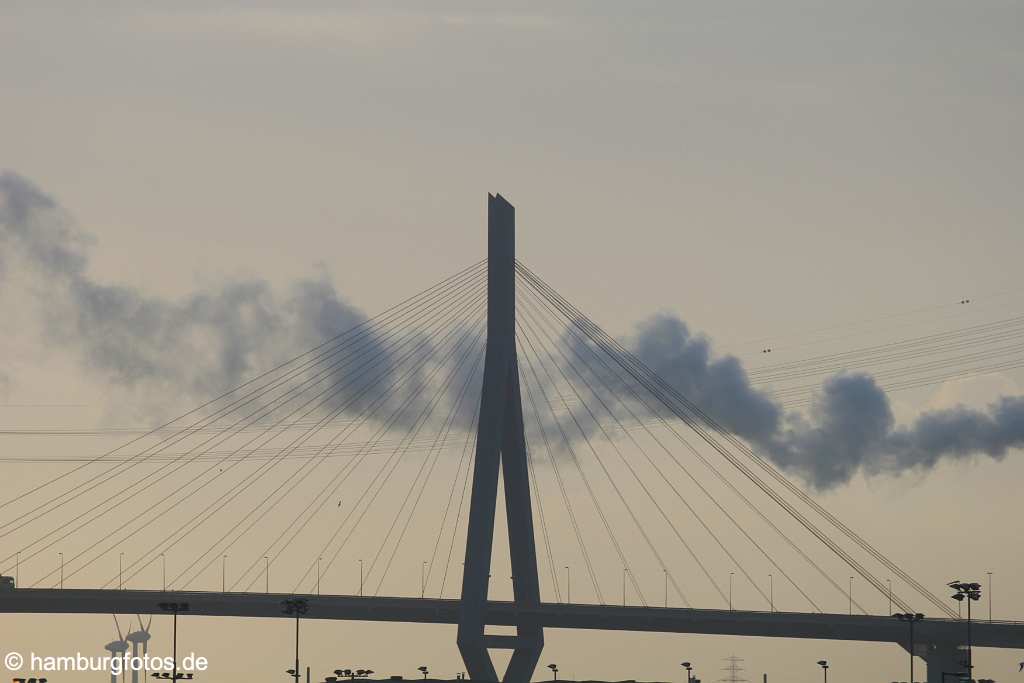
{"x": 935, "y": 639}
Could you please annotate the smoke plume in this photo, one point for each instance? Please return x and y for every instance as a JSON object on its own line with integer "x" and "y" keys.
{"x": 189, "y": 349}
{"x": 850, "y": 426}
{"x": 216, "y": 338}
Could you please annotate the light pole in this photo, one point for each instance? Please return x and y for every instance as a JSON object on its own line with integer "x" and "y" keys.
{"x": 318, "y": 575}
{"x": 689, "y": 669}
{"x": 298, "y": 607}
{"x": 666, "y": 586}
{"x": 824, "y": 668}
{"x": 624, "y": 572}
{"x": 730, "y": 590}
{"x": 910, "y": 619}
{"x": 554, "y": 671}
{"x": 423, "y": 579}
{"x": 174, "y": 608}
{"x": 969, "y": 592}
{"x": 223, "y": 573}
{"x": 771, "y": 594}
{"x": 120, "y": 571}
{"x": 163, "y": 571}
{"x": 568, "y": 587}
{"x": 850, "y": 595}
{"x": 17, "y": 569}
{"x": 266, "y": 572}
{"x": 360, "y": 578}
{"x": 61, "y": 555}
{"x": 989, "y": 596}
{"x": 889, "y": 582}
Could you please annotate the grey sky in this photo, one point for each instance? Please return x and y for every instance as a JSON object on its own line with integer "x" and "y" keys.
{"x": 758, "y": 169}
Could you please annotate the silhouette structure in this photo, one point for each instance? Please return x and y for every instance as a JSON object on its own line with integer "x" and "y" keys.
{"x": 500, "y": 441}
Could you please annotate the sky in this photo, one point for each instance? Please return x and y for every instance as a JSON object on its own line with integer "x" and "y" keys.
{"x": 806, "y": 177}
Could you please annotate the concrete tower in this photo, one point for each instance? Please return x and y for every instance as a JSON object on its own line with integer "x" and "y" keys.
{"x": 500, "y": 442}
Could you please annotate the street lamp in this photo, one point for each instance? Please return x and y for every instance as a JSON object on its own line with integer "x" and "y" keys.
{"x": 910, "y": 619}
{"x": 568, "y": 587}
{"x": 824, "y": 668}
{"x": 554, "y": 671}
{"x": 989, "y": 596}
{"x": 174, "y": 608}
{"x": 689, "y": 668}
{"x": 967, "y": 591}
{"x": 730, "y": 590}
{"x": 298, "y": 607}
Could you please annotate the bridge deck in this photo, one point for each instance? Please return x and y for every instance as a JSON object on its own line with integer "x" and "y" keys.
{"x": 554, "y": 615}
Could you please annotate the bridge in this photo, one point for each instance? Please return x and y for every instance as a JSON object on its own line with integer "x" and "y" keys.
{"x": 558, "y": 397}
{"x": 936, "y": 640}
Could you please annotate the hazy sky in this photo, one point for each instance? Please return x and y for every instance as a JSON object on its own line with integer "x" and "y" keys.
{"x": 764, "y": 171}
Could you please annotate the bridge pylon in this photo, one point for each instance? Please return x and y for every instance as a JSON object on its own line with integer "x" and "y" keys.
{"x": 500, "y": 442}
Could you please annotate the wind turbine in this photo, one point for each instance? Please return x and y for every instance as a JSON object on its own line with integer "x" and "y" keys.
{"x": 116, "y": 648}
{"x": 136, "y": 638}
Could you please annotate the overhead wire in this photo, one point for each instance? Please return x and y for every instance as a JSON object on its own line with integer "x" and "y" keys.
{"x": 664, "y": 391}
{"x": 120, "y": 470}
{"x": 472, "y": 270}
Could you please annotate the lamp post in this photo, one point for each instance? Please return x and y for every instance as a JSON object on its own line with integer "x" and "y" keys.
{"x": 120, "y": 571}
{"x": 298, "y": 607}
{"x": 624, "y": 572}
{"x": 554, "y": 671}
{"x": 771, "y": 594}
{"x": 969, "y": 592}
{"x": 889, "y": 582}
{"x": 824, "y": 668}
{"x": 989, "y": 596}
{"x": 61, "y": 555}
{"x": 163, "y": 571}
{"x": 360, "y": 578}
{"x": 910, "y": 619}
{"x": 568, "y": 587}
{"x": 730, "y": 590}
{"x": 223, "y": 573}
{"x": 174, "y": 608}
{"x": 266, "y": 571}
{"x": 666, "y": 586}
{"x": 689, "y": 669}
{"x": 850, "y": 595}
{"x": 423, "y": 579}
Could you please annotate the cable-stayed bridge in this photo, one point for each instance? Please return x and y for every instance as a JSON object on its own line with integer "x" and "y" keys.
{"x": 394, "y": 442}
